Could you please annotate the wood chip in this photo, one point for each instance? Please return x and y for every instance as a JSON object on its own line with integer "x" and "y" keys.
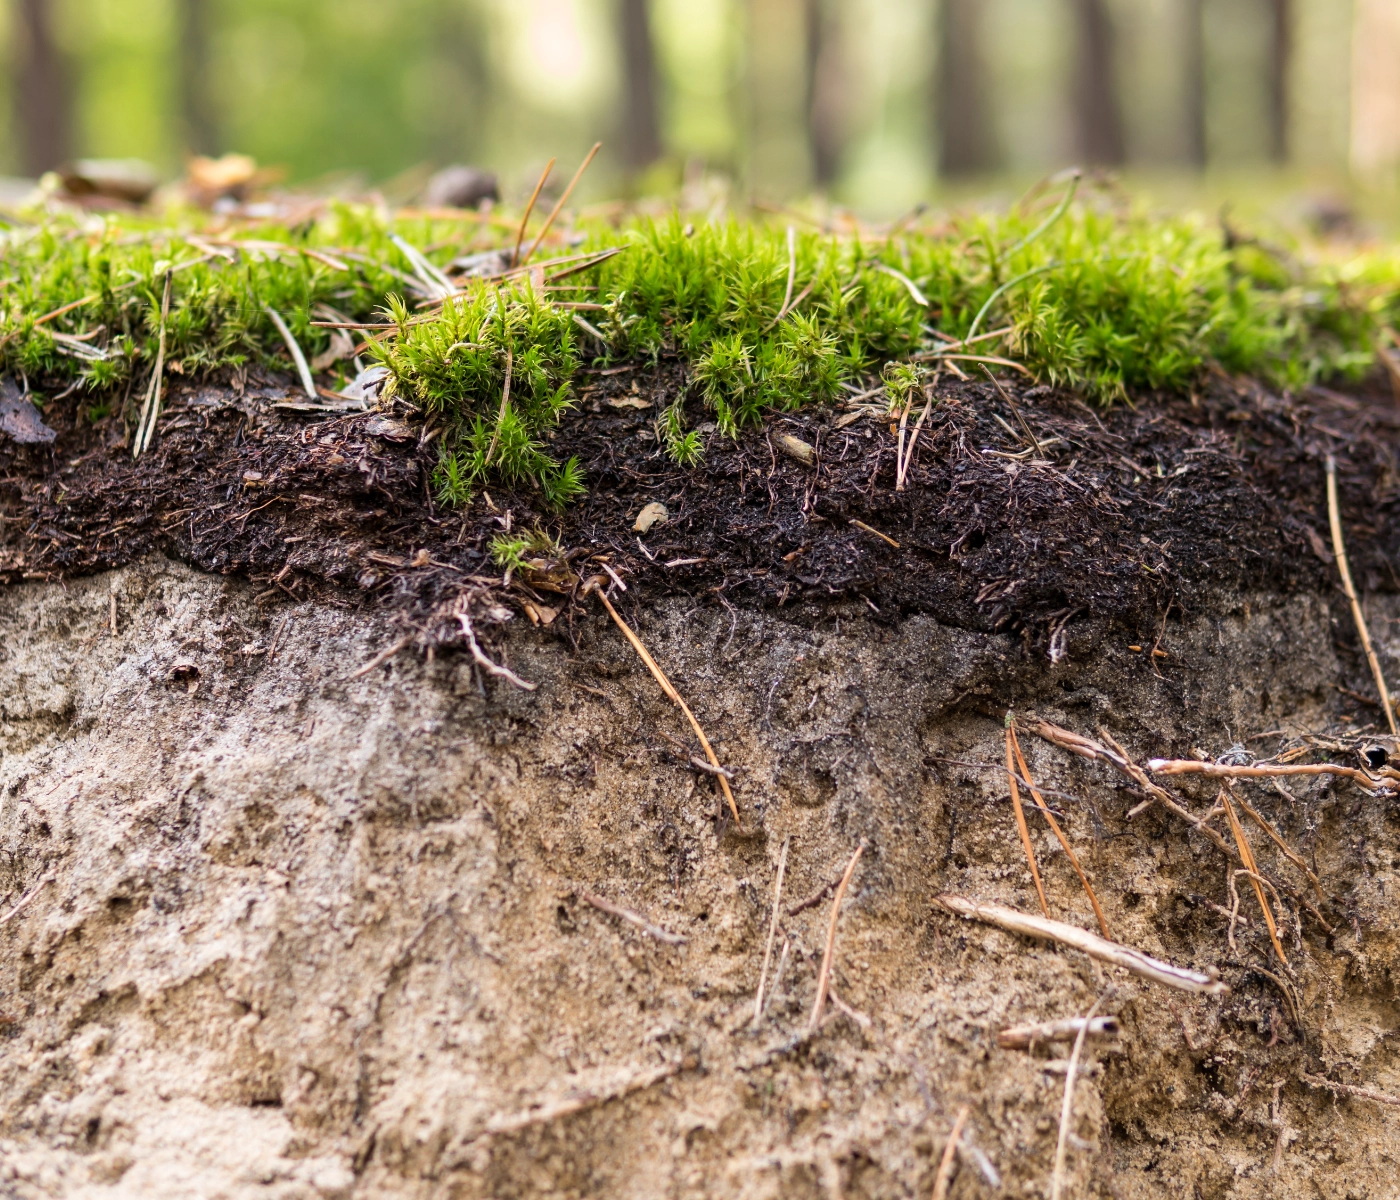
{"x": 796, "y": 448}
{"x": 651, "y": 514}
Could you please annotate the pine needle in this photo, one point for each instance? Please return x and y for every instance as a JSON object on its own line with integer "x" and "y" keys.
{"x": 529, "y": 208}
{"x": 1252, "y": 868}
{"x": 824, "y": 978}
{"x": 568, "y": 191}
{"x": 1021, "y": 822}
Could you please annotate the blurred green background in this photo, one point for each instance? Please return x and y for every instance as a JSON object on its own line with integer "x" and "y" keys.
{"x": 875, "y": 103}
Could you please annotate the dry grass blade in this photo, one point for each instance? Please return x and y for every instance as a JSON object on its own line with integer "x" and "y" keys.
{"x": 529, "y": 208}
{"x": 824, "y": 977}
{"x": 1067, "y": 1108}
{"x": 150, "y": 410}
{"x": 631, "y": 917}
{"x": 1021, "y": 824}
{"x": 1334, "y": 518}
{"x": 564, "y": 199}
{"x": 1247, "y": 857}
{"x": 944, "y": 1177}
{"x": 792, "y": 272}
{"x": 307, "y": 383}
{"x": 1015, "y": 921}
{"x": 675, "y": 697}
{"x": 772, "y": 930}
{"x": 1014, "y": 743}
{"x": 500, "y": 416}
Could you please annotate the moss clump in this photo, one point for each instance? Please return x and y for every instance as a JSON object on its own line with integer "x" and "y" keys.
{"x": 764, "y": 318}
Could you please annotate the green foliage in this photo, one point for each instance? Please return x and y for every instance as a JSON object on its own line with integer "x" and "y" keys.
{"x": 532, "y": 547}
{"x": 1102, "y": 302}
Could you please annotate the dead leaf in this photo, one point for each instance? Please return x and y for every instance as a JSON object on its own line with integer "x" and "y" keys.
{"x": 342, "y": 346}
{"x": 392, "y": 431}
{"x": 20, "y": 419}
{"x": 627, "y": 402}
{"x": 652, "y": 514}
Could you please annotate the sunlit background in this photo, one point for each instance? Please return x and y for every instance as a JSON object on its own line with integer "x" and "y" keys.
{"x": 876, "y": 104}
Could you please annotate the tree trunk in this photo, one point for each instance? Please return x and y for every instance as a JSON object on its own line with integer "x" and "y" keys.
{"x": 41, "y": 99}
{"x": 1194, "y": 80}
{"x": 1098, "y": 121}
{"x": 1280, "y": 60}
{"x": 966, "y": 142}
{"x": 826, "y": 99}
{"x": 640, "y": 127}
{"x": 196, "y": 101}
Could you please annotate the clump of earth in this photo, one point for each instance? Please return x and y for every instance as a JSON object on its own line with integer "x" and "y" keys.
{"x": 301, "y": 897}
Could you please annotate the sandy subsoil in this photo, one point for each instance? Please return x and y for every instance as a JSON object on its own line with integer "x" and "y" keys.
{"x": 273, "y": 927}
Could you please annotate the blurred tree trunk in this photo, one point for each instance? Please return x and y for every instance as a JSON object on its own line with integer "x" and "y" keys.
{"x": 826, "y": 95}
{"x": 640, "y": 129}
{"x": 966, "y": 141}
{"x": 40, "y": 81}
{"x": 1194, "y": 80}
{"x": 196, "y": 101}
{"x": 1280, "y": 61}
{"x": 1098, "y": 121}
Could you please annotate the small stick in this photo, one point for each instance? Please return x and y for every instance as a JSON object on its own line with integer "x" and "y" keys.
{"x": 501, "y": 416}
{"x": 1015, "y": 745}
{"x": 772, "y": 930}
{"x": 1189, "y": 766}
{"x": 1023, "y": 1037}
{"x": 1252, "y": 868}
{"x": 1118, "y": 955}
{"x": 383, "y": 656}
{"x": 674, "y": 696}
{"x": 568, "y": 191}
{"x": 1067, "y": 1108}
{"x": 1339, "y": 549}
{"x": 824, "y": 978}
{"x": 634, "y": 918}
{"x": 308, "y": 384}
{"x": 945, "y": 1164}
{"x": 1347, "y": 1089}
{"x": 529, "y": 208}
{"x": 464, "y": 619}
{"x": 1021, "y": 824}
{"x": 876, "y": 532}
{"x": 150, "y": 411}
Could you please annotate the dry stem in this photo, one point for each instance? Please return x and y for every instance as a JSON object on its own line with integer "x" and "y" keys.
{"x": 1118, "y": 955}
{"x": 1021, "y": 824}
{"x": 1055, "y": 825}
{"x": 824, "y": 978}
{"x": 525, "y": 217}
{"x": 1339, "y": 549}
{"x": 772, "y": 929}
{"x": 675, "y": 697}
{"x": 632, "y": 917}
{"x": 945, "y": 1165}
{"x": 1252, "y": 869}
{"x": 1023, "y": 1037}
{"x": 1189, "y": 766}
{"x": 1067, "y": 1108}
{"x": 150, "y": 411}
{"x": 554, "y": 212}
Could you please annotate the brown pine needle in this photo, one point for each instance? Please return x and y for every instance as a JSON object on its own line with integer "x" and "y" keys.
{"x": 945, "y": 1165}
{"x": 1334, "y": 518}
{"x": 772, "y": 930}
{"x": 824, "y": 978}
{"x": 1295, "y": 858}
{"x": 1021, "y": 824}
{"x": 675, "y": 697}
{"x": 529, "y": 208}
{"x": 1015, "y": 745}
{"x": 1247, "y": 857}
{"x": 568, "y": 191}
{"x": 1067, "y": 1108}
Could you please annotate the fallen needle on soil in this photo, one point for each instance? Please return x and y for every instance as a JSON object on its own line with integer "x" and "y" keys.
{"x": 824, "y": 978}
{"x": 772, "y": 929}
{"x": 1067, "y": 1109}
{"x": 634, "y": 918}
{"x": 945, "y": 1165}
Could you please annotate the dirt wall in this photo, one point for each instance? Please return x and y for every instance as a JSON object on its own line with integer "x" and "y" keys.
{"x": 275, "y": 930}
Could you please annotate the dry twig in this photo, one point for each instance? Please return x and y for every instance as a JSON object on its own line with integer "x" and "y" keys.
{"x": 1021, "y": 823}
{"x": 1015, "y": 745}
{"x": 1339, "y": 549}
{"x": 772, "y": 929}
{"x": 675, "y": 698}
{"x": 1189, "y": 766}
{"x": 945, "y": 1164}
{"x": 632, "y": 917}
{"x": 1067, "y": 1108}
{"x": 1023, "y": 1037}
{"x": 824, "y": 977}
{"x": 1114, "y": 953}
{"x": 564, "y": 199}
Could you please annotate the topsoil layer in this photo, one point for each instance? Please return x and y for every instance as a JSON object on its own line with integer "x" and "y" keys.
{"x": 272, "y": 925}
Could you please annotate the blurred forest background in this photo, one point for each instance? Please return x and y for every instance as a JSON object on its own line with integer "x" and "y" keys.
{"x": 875, "y": 103}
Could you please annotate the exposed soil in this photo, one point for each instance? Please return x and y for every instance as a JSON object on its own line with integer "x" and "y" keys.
{"x": 275, "y": 929}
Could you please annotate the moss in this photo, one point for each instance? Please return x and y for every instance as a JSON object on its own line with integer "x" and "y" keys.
{"x": 765, "y": 319}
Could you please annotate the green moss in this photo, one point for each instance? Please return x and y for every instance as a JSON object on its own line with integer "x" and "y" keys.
{"x": 765, "y": 319}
